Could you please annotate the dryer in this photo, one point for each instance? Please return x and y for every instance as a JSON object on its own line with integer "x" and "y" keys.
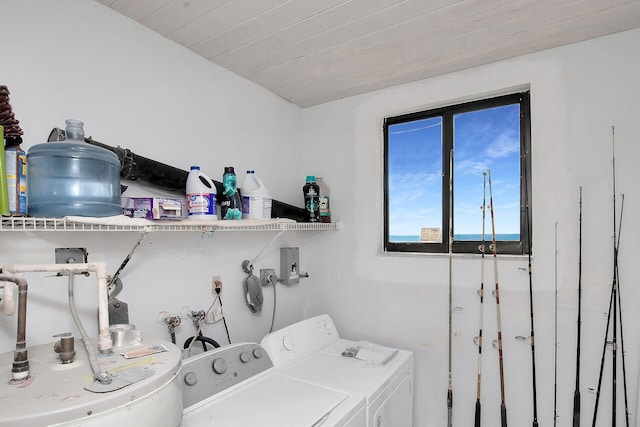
{"x": 312, "y": 350}
{"x": 237, "y": 386}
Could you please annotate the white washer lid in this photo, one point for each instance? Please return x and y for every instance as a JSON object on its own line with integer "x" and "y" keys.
{"x": 274, "y": 400}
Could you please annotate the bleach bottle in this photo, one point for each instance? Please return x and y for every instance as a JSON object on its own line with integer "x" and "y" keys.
{"x": 256, "y": 202}
{"x": 201, "y": 196}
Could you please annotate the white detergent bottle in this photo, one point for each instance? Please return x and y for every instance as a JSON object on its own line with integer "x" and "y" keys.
{"x": 201, "y": 196}
{"x": 256, "y": 202}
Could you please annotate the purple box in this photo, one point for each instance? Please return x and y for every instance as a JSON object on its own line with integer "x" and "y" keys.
{"x": 154, "y": 208}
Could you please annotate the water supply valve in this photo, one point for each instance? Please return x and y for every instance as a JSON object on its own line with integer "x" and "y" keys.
{"x": 172, "y": 322}
{"x": 65, "y": 347}
{"x": 268, "y": 276}
{"x": 196, "y": 317}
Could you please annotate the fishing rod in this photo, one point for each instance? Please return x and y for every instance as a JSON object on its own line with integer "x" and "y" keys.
{"x": 450, "y": 386}
{"x": 503, "y": 406}
{"x": 533, "y": 341}
{"x": 614, "y": 304}
{"x": 614, "y": 290}
{"x": 576, "y": 393}
{"x": 481, "y": 294}
{"x": 624, "y": 369}
{"x": 555, "y": 333}
{"x": 604, "y": 348}
{"x": 614, "y": 301}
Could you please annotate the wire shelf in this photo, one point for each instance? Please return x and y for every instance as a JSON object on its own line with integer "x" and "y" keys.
{"x": 62, "y": 224}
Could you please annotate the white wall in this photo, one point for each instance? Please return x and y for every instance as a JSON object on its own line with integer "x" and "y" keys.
{"x": 577, "y": 93}
{"x": 134, "y": 89}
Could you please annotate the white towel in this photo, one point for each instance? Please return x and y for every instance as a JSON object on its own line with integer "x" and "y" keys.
{"x": 375, "y": 353}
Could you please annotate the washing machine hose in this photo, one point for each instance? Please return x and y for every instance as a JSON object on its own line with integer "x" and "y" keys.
{"x": 202, "y": 339}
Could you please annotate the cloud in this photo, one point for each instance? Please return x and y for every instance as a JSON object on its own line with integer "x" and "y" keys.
{"x": 398, "y": 131}
{"x": 506, "y": 143}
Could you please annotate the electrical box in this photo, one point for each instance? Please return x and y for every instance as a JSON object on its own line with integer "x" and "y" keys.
{"x": 71, "y": 255}
{"x": 290, "y": 265}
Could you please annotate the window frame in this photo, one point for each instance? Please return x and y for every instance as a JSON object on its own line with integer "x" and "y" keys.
{"x": 447, "y": 113}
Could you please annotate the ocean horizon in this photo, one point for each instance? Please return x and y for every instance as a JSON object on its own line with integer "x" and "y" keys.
{"x": 458, "y": 237}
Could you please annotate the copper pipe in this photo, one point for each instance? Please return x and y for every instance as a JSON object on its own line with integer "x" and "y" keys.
{"x": 20, "y": 360}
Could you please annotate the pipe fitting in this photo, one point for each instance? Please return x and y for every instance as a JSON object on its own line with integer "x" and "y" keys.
{"x": 20, "y": 368}
{"x": 100, "y": 268}
{"x": 65, "y": 348}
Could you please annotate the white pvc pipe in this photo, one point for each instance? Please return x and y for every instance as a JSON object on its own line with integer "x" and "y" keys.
{"x": 100, "y": 268}
{"x": 8, "y": 303}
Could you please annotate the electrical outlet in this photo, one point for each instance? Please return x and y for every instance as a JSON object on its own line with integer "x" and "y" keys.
{"x": 216, "y": 282}
{"x": 268, "y": 276}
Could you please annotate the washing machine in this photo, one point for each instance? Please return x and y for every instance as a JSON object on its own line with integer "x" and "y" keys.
{"x": 237, "y": 386}
{"x": 145, "y": 390}
{"x": 312, "y": 350}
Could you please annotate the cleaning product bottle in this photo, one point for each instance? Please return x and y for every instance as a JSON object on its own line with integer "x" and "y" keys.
{"x": 325, "y": 209}
{"x": 256, "y": 202}
{"x": 201, "y": 195}
{"x": 16, "y": 180}
{"x": 231, "y": 202}
{"x": 4, "y": 192}
{"x": 311, "y": 192}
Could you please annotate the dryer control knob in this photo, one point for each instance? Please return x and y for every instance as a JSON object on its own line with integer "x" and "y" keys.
{"x": 219, "y": 366}
{"x": 244, "y": 357}
{"x": 190, "y": 378}
{"x": 288, "y": 343}
{"x": 257, "y": 353}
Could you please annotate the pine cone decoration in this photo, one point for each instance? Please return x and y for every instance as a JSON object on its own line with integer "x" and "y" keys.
{"x": 12, "y": 130}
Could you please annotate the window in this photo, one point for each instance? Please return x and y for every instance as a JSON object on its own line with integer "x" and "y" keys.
{"x": 436, "y": 176}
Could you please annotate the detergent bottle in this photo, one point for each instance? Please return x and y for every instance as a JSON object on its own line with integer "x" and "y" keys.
{"x": 311, "y": 192}
{"x": 256, "y": 202}
{"x": 230, "y": 202}
{"x": 201, "y": 196}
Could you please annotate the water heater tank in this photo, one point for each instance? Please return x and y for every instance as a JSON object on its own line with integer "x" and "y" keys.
{"x": 55, "y": 392}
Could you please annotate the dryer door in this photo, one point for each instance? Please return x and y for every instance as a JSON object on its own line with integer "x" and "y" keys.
{"x": 397, "y": 409}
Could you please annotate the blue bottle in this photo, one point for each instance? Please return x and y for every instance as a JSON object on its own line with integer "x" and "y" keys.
{"x": 230, "y": 201}
{"x": 311, "y": 192}
{"x": 72, "y": 177}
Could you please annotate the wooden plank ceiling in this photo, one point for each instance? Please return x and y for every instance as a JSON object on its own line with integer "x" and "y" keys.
{"x": 315, "y": 51}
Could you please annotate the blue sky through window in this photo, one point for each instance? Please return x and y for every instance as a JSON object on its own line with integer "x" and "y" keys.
{"x": 483, "y": 139}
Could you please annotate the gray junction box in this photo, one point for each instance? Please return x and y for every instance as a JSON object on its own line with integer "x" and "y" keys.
{"x": 290, "y": 265}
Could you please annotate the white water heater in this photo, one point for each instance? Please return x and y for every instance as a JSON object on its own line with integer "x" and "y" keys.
{"x": 146, "y": 391}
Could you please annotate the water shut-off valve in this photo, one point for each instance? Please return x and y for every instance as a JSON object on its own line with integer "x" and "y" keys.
{"x": 172, "y": 322}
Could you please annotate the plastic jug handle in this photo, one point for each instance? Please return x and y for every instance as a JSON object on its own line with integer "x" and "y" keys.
{"x": 206, "y": 180}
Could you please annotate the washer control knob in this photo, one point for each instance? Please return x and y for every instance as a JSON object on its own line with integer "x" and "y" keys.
{"x": 244, "y": 357}
{"x": 190, "y": 378}
{"x": 219, "y": 366}
{"x": 327, "y": 326}
{"x": 257, "y": 352}
{"x": 289, "y": 343}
